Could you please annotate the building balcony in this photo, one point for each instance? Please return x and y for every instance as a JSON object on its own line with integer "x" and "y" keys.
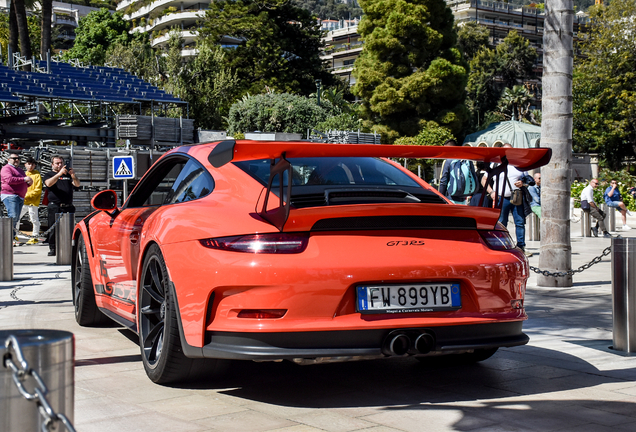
{"x": 340, "y": 51}
{"x": 160, "y": 5}
{"x": 64, "y": 20}
{"x": 188, "y": 37}
{"x": 187, "y": 18}
{"x": 124, "y": 4}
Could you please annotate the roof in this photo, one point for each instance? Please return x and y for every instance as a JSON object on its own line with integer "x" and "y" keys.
{"x": 520, "y": 135}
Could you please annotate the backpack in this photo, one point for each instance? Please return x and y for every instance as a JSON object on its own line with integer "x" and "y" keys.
{"x": 462, "y": 180}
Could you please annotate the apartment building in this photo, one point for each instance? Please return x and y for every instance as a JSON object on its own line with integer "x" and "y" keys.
{"x": 343, "y": 44}
{"x": 159, "y": 17}
{"x": 64, "y": 20}
{"x": 342, "y": 47}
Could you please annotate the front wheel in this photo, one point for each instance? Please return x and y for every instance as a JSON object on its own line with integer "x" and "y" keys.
{"x": 159, "y": 340}
{"x": 86, "y": 311}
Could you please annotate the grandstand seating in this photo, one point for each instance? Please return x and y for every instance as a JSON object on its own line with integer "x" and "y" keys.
{"x": 89, "y": 84}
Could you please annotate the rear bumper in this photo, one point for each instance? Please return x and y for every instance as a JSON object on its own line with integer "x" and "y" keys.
{"x": 359, "y": 343}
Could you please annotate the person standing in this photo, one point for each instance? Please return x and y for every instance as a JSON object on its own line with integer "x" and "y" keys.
{"x": 514, "y": 180}
{"x": 458, "y": 181}
{"x": 588, "y": 204}
{"x": 60, "y": 182}
{"x": 535, "y": 193}
{"x": 612, "y": 197}
{"x": 14, "y": 187}
{"x": 32, "y": 198}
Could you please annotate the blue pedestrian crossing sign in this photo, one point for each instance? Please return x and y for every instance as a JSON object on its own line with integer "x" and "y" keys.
{"x": 123, "y": 167}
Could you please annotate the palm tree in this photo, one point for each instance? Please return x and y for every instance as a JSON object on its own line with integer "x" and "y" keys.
{"x": 516, "y": 101}
{"x": 556, "y": 132}
{"x": 23, "y": 29}
{"x": 45, "y": 38}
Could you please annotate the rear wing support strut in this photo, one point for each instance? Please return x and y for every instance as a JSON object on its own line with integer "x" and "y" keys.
{"x": 278, "y": 217}
{"x": 500, "y": 173}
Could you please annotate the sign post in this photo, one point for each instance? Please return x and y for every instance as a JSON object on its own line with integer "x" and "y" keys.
{"x": 124, "y": 169}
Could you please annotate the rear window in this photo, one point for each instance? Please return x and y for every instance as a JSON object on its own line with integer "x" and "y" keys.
{"x": 358, "y": 171}
{"x": 331, "y": 181}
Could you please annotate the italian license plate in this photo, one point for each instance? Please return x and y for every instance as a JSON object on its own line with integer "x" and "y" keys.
{"x": 408, "y": 298}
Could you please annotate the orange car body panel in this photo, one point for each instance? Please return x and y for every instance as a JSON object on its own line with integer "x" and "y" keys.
{"x": 316, "y": 287}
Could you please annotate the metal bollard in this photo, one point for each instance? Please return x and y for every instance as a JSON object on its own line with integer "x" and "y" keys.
{"x": 63, "y": 236}
{"x": 6, "y": 249}
{"x": 49, "y": 353}
{"x": 534, "y": 227}
{"x": 586, "y": 224}
{"x": 610, "y": 218}
{"x": 624, "y": 293}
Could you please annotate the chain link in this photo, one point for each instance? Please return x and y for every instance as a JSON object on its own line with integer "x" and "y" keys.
{"x": 44, "y": 234}
{"x": 596, "y": 260}
{"x": 20, "y": 371}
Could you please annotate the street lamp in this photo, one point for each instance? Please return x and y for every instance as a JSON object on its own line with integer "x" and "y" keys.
{"x": 318, "y": 88}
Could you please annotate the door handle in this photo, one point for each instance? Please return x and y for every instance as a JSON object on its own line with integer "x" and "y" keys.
{"x": 134, "y": 237}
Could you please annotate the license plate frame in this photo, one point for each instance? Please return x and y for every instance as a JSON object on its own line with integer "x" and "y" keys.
{"x": 372, "y": 299}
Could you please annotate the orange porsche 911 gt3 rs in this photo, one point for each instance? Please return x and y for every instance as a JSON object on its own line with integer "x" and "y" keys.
{"x": 301, "y": 251}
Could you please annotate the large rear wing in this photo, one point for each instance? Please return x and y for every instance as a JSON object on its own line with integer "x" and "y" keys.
{"x": 235, "y": 151}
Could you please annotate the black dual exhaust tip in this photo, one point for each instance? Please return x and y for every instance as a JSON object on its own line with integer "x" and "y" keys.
{"x": 411, "y": 342}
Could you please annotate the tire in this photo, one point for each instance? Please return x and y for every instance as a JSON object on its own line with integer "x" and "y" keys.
{"x": 159, "y": 340}
{"x": 87, "y": 313}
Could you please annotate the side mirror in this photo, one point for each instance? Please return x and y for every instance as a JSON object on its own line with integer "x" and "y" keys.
{"x": 105, "y": 201}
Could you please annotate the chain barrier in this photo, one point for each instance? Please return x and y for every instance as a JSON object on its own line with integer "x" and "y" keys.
{"x": 20, "y": 371}
{"x": 44, "y": 234}
{"x": 596, "y": 260}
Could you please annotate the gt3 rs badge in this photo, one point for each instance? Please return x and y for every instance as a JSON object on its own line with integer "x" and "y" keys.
{"x": 405, "y": 243}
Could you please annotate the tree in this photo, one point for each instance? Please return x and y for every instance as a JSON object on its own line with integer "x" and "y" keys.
{"x": 515, "y": 103}
{"x": 276, "y": 113}
{"x": 471, "y": 37}
{"x": 206, "y": 83}
{"x": 278, "y": 44}
{"x": 45, "y": 41}
{"x": 604, "y": 87}
{"x": 96, "y": 33}
{"x": 516, "y": 59}
{"x": 410, "y": 71}
{"x": 556, "y": 133}
{"x": 23, "y": 28}
{"x": 492, "y": 70}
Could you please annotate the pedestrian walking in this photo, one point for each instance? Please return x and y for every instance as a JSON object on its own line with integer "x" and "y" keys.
{"x": 14, "y": 187}
{"x": 60, "y": 183}
{"x": 32, "y": 198}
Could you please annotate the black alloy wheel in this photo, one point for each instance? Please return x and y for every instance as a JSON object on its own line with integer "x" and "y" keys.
{"x": 159, "y": 338}
{"x": 86, "y": 311}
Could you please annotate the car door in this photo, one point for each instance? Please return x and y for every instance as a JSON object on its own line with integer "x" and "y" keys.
{"x": 118, "y": 237}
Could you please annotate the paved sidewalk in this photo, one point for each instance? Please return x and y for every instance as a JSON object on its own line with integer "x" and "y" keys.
{"x": 566, "y": 379}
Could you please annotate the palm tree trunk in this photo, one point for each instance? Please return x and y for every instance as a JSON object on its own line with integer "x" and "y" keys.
{"x": 45, "y": 39}
{"x": 13, "y": 31}
{"x": 556, "y": 133}
{"x": 23, "y": 28}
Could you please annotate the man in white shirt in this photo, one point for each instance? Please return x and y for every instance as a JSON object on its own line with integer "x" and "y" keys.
{"x": 588, "y": 204}
{"x": 512, "y": 180}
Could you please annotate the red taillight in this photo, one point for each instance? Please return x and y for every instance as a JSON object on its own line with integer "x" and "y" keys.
{"x": 262, "y": 313}
{"x": 278, "y": 243}
{"x": 497, "y": 240}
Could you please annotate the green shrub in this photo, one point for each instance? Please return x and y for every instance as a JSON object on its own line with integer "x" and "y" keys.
{"x": 277, "y": 113}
